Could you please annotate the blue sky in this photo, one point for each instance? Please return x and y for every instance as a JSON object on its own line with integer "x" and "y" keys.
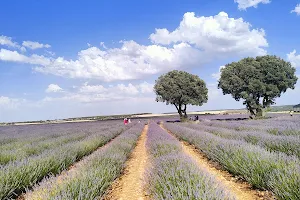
{"x": 60, "y": 59}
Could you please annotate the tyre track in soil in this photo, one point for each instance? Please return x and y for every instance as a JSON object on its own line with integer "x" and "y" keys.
{"x": 71, "y": 171}
{"x": 131, "y": 184}
{"x": 241, "y": 189}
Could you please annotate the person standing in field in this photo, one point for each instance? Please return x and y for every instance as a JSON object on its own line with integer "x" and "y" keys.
{"x": 291, "y": 112}
{"x": 196, "y": 118}
{"x": 125, "y": 121}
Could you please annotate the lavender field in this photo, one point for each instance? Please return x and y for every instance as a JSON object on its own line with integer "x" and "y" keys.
{"x": 32, "y": 152}
{"x": 88, "y": 160}
{"x": 265, "y": 153}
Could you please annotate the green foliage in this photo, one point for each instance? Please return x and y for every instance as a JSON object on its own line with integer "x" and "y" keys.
{"x": 181, "y": 89}
{"x": 258, "y": 81}
{"x": 273, "y": 131}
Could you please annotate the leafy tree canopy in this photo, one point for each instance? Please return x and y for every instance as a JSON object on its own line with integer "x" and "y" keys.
{"x": 258, "y": 81}
{"x": 181, "y": 89}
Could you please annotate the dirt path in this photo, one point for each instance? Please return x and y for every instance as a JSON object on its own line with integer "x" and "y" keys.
{"x": 241, "y": 189}
{"x": 130, "y": 184}
{"x": 72, "y": 170}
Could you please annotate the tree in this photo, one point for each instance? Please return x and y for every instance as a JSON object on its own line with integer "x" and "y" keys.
{"x": 258, "y": 81}
{"x": 180, "y": 89}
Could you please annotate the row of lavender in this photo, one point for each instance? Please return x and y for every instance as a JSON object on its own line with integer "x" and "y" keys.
{"x": 33, "y": 140}
{"x": 174, "y": 175}
{"x": 276, "y": 125}
{"x": 263, "y": 169}
{"x": 90, "y": 179}
{"x": 32, "y": 147}
{"x": 289, "y": 145}
{"x": 18, "y": 175}
{"x": 15, "y": 134}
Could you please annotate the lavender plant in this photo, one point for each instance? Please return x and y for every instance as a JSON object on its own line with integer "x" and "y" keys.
{"x": 279, "y": 125}
{"x": 286, "y": 144}
{"x": 259, "y": 167}
{"x": 35, "y": 148}
{"x": 174, "y": 175}
{"x": 91, "y": 179}
{"x": 16, "y": 176}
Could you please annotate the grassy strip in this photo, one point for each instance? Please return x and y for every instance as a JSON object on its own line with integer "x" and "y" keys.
{"x": 174, "y": 175}
{"x": 15, "y": 177}
{"x": 93, "y": 177}
{"x": 263, "y": 169}
{"x": 289, "y": 145}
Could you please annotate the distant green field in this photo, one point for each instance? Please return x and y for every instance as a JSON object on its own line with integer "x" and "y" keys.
{"x": 280, "y": 108}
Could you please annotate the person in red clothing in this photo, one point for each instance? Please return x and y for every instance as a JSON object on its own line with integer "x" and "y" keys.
{"x": 125, "y": 121}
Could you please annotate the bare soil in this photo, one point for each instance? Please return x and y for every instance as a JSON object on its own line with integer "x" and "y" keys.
{"x": 241, "y": 189}
{"x": 130, "y": 184}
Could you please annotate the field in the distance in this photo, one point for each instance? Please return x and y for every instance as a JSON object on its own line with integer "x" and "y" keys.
{"x": 215, "y": 158}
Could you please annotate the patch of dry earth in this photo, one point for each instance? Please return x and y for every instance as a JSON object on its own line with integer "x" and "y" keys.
{"x": 130, "y": 184}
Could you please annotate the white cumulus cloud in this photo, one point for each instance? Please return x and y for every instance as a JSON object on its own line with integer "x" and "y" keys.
{"x": 96, "y": 93}
{"x": 91, "y": 88}
{"x": 14, "y": 56}
{"x": 7, "y": 41}
{"x": 10, "y": 103}
{"x": 131, "y": 61}
{"x": 146, "y": 87}
{"x": 129, "y": 89}
{"x": 218, "y": 74}
{"x": 196, "y": 41}
{"x": 215, "y": 35}
{"x": 117, "y": 90}
{"x": 53, "y": 88}
{"x": 244, "y": 4}
{"x": 294, "y": 59}
{"x": 296, "y": 10}
{"x": 34, "y": 45}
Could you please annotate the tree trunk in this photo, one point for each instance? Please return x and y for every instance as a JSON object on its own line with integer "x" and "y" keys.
{"x": 182, "y": 112}
{"x": 260, "y": 113}
{"x": 257, "y": 111}
{"x": 184, "y": 118}
{"x": 251, "y": 110}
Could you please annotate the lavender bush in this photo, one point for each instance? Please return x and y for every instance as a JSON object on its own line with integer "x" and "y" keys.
{"x": 35, "y": 148}
{"x": 22, "y": 135}
{"x": 279, "y": 125}
{"x": 286, "y": 144}
{"x": 16, "y": 176}
{"x": 174, "y": 175}
{"x": 259, "y": 167}
{"x": 93, "y": 177}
